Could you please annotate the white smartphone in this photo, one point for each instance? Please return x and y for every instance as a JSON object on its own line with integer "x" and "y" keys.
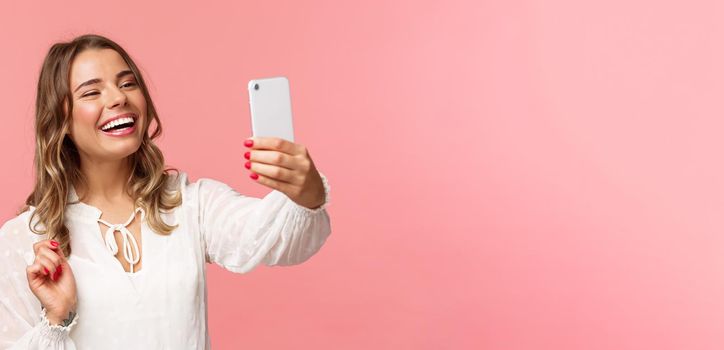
{"x": 271, "y": 108}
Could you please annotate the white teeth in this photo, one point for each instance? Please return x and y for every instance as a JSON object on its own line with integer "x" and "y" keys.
{"x": 116, "y": 122}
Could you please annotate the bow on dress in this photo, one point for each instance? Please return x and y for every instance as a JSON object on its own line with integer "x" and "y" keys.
{"x": 130, "y": 246}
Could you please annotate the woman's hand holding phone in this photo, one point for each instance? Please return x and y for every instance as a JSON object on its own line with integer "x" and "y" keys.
{"x": 286, "y": 167}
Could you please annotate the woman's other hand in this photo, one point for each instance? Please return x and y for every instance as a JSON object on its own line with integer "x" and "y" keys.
{"x": 51, "y": 280}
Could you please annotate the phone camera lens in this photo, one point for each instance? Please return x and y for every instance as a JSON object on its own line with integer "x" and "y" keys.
{"x": 256, "y": 86}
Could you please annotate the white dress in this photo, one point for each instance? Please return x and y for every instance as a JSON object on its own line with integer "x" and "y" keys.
{"x": 162, "y": 306}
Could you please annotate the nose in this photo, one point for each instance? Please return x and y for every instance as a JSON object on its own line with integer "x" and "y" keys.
{"x": 116, "y": 98}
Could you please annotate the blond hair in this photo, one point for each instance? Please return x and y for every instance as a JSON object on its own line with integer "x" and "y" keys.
{"x": 57, "y": 162}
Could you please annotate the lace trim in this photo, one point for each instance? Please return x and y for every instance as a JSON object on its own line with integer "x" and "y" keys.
{"x": 308, "y": 211}
{"x": 55, "y": 333}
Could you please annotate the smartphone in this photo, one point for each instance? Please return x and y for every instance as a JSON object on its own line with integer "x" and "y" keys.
{"x": 271, "y": 108}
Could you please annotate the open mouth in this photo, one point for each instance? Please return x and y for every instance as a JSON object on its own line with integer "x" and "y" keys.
{"x": 120, "y": 125}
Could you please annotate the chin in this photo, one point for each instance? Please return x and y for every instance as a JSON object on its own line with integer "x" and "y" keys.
{"x": 123, "y": 151}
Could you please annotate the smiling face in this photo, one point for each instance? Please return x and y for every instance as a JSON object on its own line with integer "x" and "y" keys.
{"x": 104, "y": 88}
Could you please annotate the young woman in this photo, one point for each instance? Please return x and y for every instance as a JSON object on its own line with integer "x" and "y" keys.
{"x": 110, "y": 248}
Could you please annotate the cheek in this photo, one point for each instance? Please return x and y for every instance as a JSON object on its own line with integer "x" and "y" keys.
{"x": 85, "y": 115}
{"x": 138, "y": 101}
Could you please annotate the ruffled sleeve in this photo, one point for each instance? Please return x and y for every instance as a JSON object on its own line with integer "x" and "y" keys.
{"x": 239, "y": 232}
{"x": 22, "y": 322}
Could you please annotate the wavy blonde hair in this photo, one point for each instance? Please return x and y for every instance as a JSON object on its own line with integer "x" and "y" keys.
{"x": 57, "y": 162}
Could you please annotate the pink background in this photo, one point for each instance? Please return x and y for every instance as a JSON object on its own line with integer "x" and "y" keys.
{"x": 505, "y": 174}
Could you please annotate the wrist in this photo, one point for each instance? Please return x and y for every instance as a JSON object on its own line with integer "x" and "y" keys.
{"x": 61, "y": 318}
{"x": 54, "y": 333}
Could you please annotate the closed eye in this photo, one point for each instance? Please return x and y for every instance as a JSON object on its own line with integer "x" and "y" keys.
{"x": 127, "y": 84}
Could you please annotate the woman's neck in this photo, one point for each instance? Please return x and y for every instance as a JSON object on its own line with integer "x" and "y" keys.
{"x": 105, "y": 181}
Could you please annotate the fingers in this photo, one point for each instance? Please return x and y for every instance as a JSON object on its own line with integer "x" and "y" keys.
{"x": 271, "y": 157}
{"x": 49, "y": 267}
{"x": 276, "y": 173}
{"x": 35, "y": 270}
{"x": 48, "y": 243}
{"x": 51, "y": 255}
{"x": 276, "y": 144}
{"x": 59, "y": 251}
{"x": 49, "y": 259}
{"x": 281, "y": 186}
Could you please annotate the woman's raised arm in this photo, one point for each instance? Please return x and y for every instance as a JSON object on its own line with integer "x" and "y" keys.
{"x": 239, "y": 232}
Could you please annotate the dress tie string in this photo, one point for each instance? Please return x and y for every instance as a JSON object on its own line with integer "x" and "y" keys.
{"x": 130, "y": 246}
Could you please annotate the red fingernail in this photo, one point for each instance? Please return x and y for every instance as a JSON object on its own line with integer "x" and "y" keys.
{"x": 247, "y": 155}
{"x": 54, "y": 243}
{"x": 248, "y": 165}
{"x": 248, "y": 143}
{"x": 55, "y": 275}
{"x": 46, "y": 271}
{"x": 254, "y": 176}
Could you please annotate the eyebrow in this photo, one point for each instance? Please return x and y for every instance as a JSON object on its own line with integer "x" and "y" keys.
{"x": 96, "y": 80}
